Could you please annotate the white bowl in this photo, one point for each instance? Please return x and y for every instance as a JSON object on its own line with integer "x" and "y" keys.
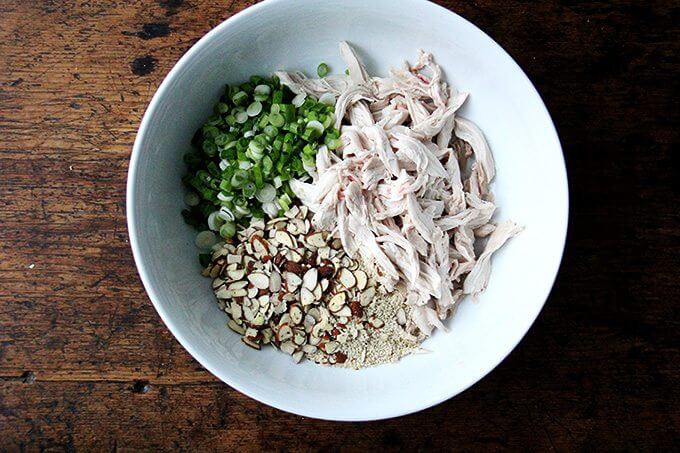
{"x": 530, "y": 188}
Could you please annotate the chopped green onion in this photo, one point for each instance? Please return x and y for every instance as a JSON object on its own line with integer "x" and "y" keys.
{"x": 254, "y": 109}
{"x": 266, "y": 194}
{"x": 241, "y": 117}
{"x": 327, "y": 98}
{"x": 249, "y": 189}
{"x": 214, "y": 221}
{"x": 276, "y": 119}
{"x": 228, "y": 230}
{"x": 322, "y": 70}
{"x": 299, "y": 100}
{"x": 239, "y": 98}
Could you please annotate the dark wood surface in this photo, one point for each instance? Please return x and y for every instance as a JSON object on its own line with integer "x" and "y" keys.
{"x": 86, "y": 363}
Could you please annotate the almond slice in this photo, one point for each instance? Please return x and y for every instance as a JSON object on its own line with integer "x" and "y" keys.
{"x": 297, "y": 357}
{"x": 288, "y": 347}
{"x": 292, "y": 212}
{"x": 250, "y": 343}
{"x": 235, "y": 327}
{"x": 295, "y": 314}
{"x": 293, "y": 281}
{"x": 234, "y": 259}
{"x": 345, "y": 312}
{"x": 362, "y": 279}
{"x": 274, "y": 282}
{"x": 367, "y": 296}
{"x": 316, "y": 240}
{"x": 318, "y": 292}
{"x": 331, "y": 347}
{"x": 259, "y": 280}
{"x": 337, "y": 301}
{"x": 347, "y": 278}
{"x": 238, "y": 285}
{"x": 285, "y": 239}
{"x": 284, "y": 333}
{"x": 310, "y": 278}
{"x": 306, "y": 297}
{"x": 324, "y": 284}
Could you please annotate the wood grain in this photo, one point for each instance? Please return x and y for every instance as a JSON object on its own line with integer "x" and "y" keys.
{"x": 79, "y": 339}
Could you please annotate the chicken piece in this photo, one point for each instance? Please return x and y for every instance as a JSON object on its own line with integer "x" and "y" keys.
{"x": 357, "y": 72}
{"x": 478, "y": 278}
{"x": 360, "y": 115}
{"x": 468, "y": 131}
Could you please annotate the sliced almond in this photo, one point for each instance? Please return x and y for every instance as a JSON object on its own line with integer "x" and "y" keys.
{"x": 362, "y": 279}
{"x": 259, "y": 280}
{"x": 316, "y": 240}
{"x": 336, "y": 244}
{"x": 288, "y": 347}
{"x": 318, "y": 292}
{"x": 309, "y": 279}
{"x": 238, "y": 285}
{"x": 367, "y": 296}
{"x": 324, "y": 253}
{"x": 258, "y": 320}
{"x": 309, "y": 323}
{"x": 285, "y": 333}
{"x": 274, "y": 221}
{"x": 248, "y": 313}
{"x": 324, "y": 284}
{"x": 238, "y": 292}
{"x": 292, "y": 228}
{"x": 309, "y": 349}
{"x": 235, "y": 327}
{"x": 285, "y": 239}
{"x": 304, "y": 210}
{"x": 234, "y": 259}
{"x": 236, "y": 311}
{"x": 331, "y": 347}
{"x": 345, "y": 311}
{"x": 236, "y": 274}
{"x": 250, "y": 343}
{"x": 294, "y": 256}
{"x": 295, "y": 314}
{"x": 299, "y": 337}
{"x": 252, "y": 292}
{"x": 337, "y": 301}
{"x": 306, "y": 297}
{"x": 293, "y": 281}
{"x": 347, "y": 278}
{"x": 297, "y": 356}
{"x": 292, "y": 212}
{"x": 274, "y": 282}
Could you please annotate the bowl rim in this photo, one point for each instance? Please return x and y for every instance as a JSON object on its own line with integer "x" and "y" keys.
{"x": 262, "y": 397}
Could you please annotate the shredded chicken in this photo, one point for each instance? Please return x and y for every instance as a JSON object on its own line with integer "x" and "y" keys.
{"x": 409, "y": 189}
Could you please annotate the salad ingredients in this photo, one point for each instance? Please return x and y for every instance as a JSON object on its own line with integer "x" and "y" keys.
{"x": 293, "y": 287}
{"x": 409, "y": 192}
{"x": 259, "y": 137}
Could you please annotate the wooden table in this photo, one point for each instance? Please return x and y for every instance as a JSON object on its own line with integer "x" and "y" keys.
{"x": 86, "y": 363}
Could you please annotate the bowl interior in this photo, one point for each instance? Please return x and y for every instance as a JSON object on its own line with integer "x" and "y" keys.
{"x": 530, "y": 188}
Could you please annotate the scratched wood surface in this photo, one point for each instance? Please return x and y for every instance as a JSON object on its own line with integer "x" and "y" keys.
{"x": 86, "y": 364}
